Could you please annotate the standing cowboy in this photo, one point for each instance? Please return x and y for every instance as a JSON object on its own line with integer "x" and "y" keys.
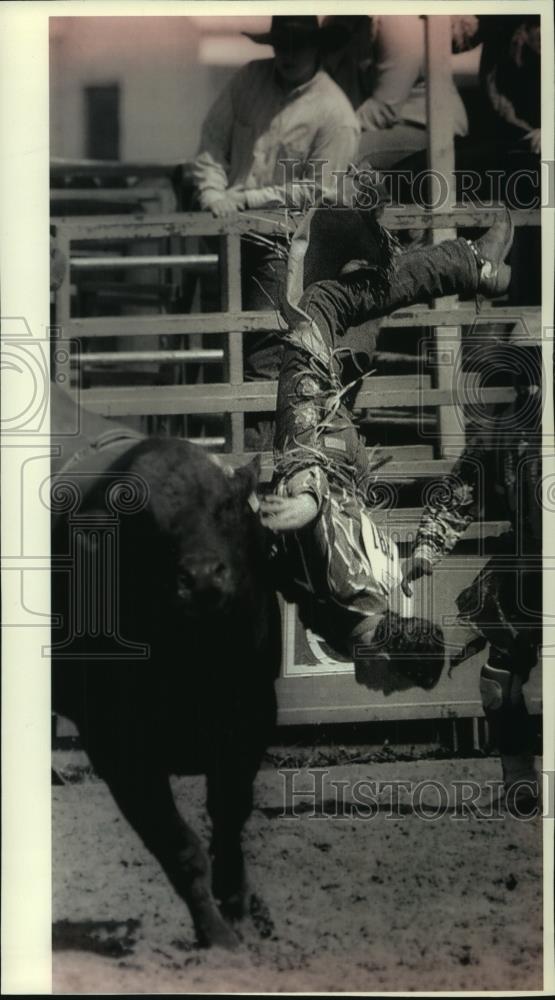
{"x": 274, "y": 110}
{"x": 273, "y": 139}
{"x": 499, "y": 471}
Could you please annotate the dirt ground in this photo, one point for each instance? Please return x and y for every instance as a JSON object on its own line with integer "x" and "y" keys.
{"x": 394, "y": 901}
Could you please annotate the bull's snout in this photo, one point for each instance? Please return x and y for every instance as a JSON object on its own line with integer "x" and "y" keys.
{"x": 204, "y": 581}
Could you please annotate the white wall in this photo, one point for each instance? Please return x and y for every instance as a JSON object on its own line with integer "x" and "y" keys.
{"x": 169, "y": 69}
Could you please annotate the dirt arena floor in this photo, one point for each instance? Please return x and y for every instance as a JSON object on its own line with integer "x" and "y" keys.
{"x": 397, "y": 901}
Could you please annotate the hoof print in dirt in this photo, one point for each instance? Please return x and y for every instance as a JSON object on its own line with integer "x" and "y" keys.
{"x": 113, "y": 938}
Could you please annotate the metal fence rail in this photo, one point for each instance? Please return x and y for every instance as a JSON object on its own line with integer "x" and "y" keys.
{"x": 234, "y": 397}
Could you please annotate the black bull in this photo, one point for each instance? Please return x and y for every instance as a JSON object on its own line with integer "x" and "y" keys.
{"x": 166, "y": 650}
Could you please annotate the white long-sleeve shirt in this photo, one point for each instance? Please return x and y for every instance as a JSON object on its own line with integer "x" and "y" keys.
{"x": 256, "y": 123}
{"x": 400, "y": 68}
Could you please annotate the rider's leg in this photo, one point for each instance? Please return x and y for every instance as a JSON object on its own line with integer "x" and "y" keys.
{"x": 327, "y": 309}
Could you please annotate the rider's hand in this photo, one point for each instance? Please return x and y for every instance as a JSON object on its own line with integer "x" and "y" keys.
{"x": 288, "y": 513}
{"x": 414, "y": 568}
{"x": 231, "y": 201}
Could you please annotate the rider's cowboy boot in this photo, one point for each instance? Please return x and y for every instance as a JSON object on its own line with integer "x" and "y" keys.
{"x": 491, "y": 251}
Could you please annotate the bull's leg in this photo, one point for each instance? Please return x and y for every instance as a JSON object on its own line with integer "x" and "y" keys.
{"x": 148, "y": 804}
{"x": 229, "y": 803}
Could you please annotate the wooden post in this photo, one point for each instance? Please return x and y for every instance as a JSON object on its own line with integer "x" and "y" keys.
{"x": 441, "y": 160}
{"x": 231, "y": 296}
{"x": 454, "y": 736}
{"x": 441, "y": 145}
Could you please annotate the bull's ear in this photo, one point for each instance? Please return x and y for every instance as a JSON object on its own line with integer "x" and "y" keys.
{"x": 246, "y": 478}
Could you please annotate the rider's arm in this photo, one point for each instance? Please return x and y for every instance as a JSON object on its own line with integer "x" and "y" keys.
{"x": 298, "y": 503}
{"x": 454, "y": 502}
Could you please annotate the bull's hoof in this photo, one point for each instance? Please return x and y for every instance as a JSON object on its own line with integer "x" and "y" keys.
{"x": 230, "y": 888}
{"x": 219, "y": 935}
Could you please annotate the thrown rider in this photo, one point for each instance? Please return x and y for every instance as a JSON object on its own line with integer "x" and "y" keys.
{"x": 331, "y": 558}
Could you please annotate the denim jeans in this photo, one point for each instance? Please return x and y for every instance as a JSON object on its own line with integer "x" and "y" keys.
{"x": 419, "y": 276}
{"x": 384, "y": 148}
{"x": 263, "y": 271}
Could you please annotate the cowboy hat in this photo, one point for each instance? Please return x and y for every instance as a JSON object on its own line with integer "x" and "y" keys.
{"x": 291, "y": 30}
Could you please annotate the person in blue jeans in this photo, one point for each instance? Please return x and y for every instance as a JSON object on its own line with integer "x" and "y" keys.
{"x": 330, "y": 557}
{"x": 499, "y": 474}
